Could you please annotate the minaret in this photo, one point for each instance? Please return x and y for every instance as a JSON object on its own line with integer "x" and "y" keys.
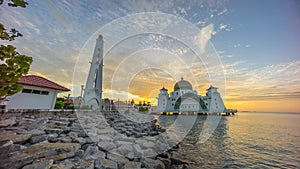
{"x": 93, "y": 90}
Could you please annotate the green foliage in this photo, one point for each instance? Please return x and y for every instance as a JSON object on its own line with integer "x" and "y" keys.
{"x": 59, "y": 104}
{"x": 15, "y": 3}
{"x": 70, "y": 106}
{"x": 11, "y": 35}
{"x": 85, "y": 107}
{"x": 12, "y": 64}
{"x": 143, "y": 109}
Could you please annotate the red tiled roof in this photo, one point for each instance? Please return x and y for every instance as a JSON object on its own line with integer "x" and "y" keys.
{"x": 33, "y": 80}
{"x": 119, "y": 103}
{"x": 69, "y": 102}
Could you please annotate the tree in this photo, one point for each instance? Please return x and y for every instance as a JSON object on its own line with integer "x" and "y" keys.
{"x": 13, "y": 65}
{"x": 59, "y": 103}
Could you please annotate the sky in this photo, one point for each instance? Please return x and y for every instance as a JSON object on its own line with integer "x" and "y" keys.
{"x": 248, "y": 49}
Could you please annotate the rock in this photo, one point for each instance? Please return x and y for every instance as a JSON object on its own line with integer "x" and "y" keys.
{"x": 39, "y": 165}
{"x": 36, "y": 151}
{"x": 53, "y": 131}
{"x": 65, "y": 164}
{"x": 130, "y": 156}
{"x": 132, "y": 165}
{"x": 76, "y": 127}
{"x": 125, "y": 149}
{"x": 60, "y": 156}
{"x": 106, "y": 145}
{"x": 102, "y": 163}
{"x": 153, "y": 133}
{"x": 177, "y": 160}
{"x": 106, "y": 137}
{"x": 150, "y": 152}
{"x": 38, "y": 139}
{"x": 138, "y": 152}
{"x": 153, "y": 164}
{"x": 37, "y": 123}
{"x": 120, "y": 143}
{"x": 7, "y": 122}
{"x": 60, "y": 123}
{"x": 66, "y": 140}
{"x": 73, "y": 164}
{"x": 72, "y": 135}
{"x": 161, "y": 147}
{"x": 35, "y": 132}
{"x": 79, "y": 153}
{"x": 105, "y": 131}
{"x": 5, "y": 143}
{"x": 16, "y": 138}
{"x": 92, "y": 153}
{"x": 120, "y": 160}
{"x": 164, "y": 155}
{"x": 167, "y": 162}
{"x": 11, "y": 148}
{"x": 80, "y": 140}
{"x": 53, "y": 138}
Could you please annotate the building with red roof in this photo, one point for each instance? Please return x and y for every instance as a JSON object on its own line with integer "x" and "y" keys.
{"x": 37, "y": 93}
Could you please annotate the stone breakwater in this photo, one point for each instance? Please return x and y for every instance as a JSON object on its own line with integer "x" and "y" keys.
{"x": 69, "y": 140}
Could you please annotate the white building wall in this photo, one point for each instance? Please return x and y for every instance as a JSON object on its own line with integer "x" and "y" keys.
{"x": 162, "y": 101}
{"x": 32, "y": 101}
{"x": 216, "y": 103}
{"x": 189, "y": 104}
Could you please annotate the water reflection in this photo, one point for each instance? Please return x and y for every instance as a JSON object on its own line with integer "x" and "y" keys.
{"x": 243, "y": 141}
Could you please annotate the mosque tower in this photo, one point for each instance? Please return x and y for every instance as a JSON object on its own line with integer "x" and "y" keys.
{"x": 93, "y": 89}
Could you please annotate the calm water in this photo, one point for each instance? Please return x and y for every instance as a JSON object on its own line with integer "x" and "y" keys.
{"x": 246, "y": 140}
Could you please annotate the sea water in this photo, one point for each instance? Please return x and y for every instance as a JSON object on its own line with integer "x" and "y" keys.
{"x": 245, "y": 140}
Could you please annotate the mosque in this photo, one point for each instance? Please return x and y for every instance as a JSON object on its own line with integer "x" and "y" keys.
{"x": 185, "y": 99}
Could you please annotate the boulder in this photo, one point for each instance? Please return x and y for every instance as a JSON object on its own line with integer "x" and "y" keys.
{"x": 138, "y": 152}
{"x": 120, "y": 160}
{"x": 60, "y": 156}
{"x": 132, "y": 165}
{"x": 54, "y": 131}
{"x": 153, "y": 164}
{"x": 39, "y": 165}
{"x": 102, "y": 163}
{"x": 66, "y": 140}
{"x": 7, "y": 122}
{"x": 92, "y": 153}
{"x": 106, "y": 145}
{"x": 11, "y": 148}
{"x": 72, "y": 135}
{"x": 37, "y": 123}
{"x": 5, "y": 143}
{"x": 16, "y": 138}
{"x": 36, "y": 151}
{"x": 125, "y": 149}
{"x": 38, "y": 139}
{"x": 167, "y": 162}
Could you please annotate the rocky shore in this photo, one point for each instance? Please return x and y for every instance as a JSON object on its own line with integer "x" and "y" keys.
{"x": 85, "y": 139}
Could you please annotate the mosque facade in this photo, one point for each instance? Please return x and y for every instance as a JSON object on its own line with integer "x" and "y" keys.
{"x": 185, "y": 99}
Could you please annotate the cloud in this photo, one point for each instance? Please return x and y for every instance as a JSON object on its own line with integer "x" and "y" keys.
{"x": 204, "y": 36}
{"x": 223, "y": 26}
{"x": 223, "y": 12}
{"x": 279, "y": 81}
{"x": 236, "y": 45}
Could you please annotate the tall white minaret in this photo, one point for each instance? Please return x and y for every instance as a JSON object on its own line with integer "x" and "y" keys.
{"x": 93, "y": 88}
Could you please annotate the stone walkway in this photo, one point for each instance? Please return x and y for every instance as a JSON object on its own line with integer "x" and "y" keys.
{"x": 85, "y": 139}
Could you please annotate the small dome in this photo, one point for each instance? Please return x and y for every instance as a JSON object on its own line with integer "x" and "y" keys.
{"x": 183, "y": 85}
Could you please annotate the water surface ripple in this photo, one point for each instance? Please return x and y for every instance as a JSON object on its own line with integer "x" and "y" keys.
{"x": 246, "y": 140}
